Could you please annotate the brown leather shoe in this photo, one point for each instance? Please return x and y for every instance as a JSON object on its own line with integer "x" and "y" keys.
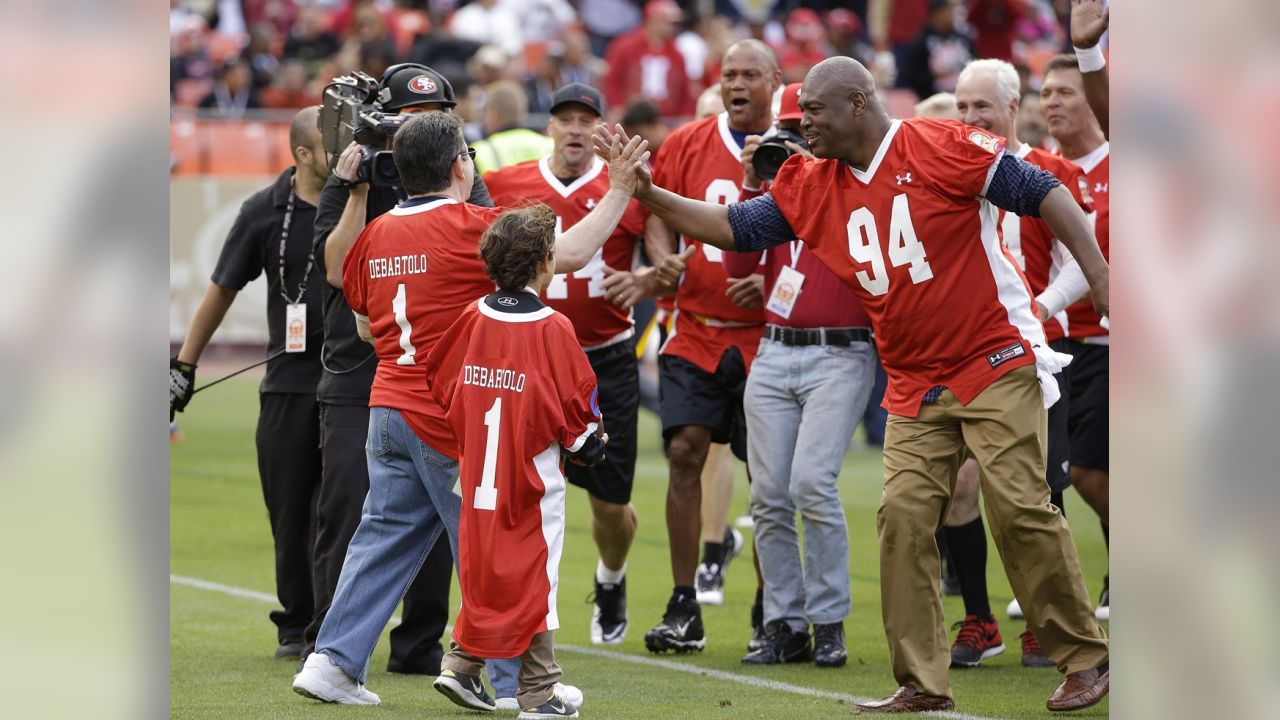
{"x": 906, "y": 700}
{"x": 1081, "y": 689}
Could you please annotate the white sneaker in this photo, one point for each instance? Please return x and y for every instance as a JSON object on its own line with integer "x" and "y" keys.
{"x": 1014, "y": 609}
{"x": 322, "y": 680}
{"x": 568, "y": 693}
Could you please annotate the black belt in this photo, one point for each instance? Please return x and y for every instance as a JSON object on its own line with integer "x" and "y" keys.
{"x": 816, "y": 336}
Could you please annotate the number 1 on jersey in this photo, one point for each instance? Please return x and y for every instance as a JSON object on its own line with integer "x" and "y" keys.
{"x": 487, "y": 493}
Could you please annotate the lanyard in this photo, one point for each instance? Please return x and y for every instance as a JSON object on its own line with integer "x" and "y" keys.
{"x": 797, "y": 246}
{"x": 284, "y": 240}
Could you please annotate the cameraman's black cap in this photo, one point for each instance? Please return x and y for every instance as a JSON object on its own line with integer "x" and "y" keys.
{"x": 412, "y": 84}
{"x": 581, "y": 94}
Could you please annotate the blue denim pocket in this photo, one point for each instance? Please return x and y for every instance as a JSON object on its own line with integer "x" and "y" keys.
{"x": 379, "y": 440}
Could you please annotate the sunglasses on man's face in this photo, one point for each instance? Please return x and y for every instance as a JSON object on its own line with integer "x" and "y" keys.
{"x": 469, "y": 152}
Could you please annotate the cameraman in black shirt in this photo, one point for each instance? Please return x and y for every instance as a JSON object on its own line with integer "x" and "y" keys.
{"x": 272, "y": 235}
{"x": 349, "y": 363}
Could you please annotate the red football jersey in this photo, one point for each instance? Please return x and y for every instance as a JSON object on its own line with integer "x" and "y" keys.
{"x": 580, "y": 295}
{"x": 1083, "y": 321}
{"x": 1030, "y": 239}
{"x": 916, "y": 241}
{"x": 411, "y": 272}
{"x": 518, "y": 388}
{"x": 701, "y": 161}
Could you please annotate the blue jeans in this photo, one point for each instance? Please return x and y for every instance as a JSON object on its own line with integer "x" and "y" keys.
{"x": 410, "y": 503}
{"x": 803, "y": 403}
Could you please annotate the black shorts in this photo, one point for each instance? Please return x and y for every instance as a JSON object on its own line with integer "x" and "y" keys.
{"x": 692, "y": 396}
{"x": 618, "y": 375}
{"x": 1057, "y": 472}
{"x": 1089, "y": 421}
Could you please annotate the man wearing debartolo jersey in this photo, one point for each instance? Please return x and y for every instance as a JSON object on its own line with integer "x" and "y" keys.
{"x": 704, "y": 363}
{"x": 407, "y": 278}
{"x": 905, "y": 213}
{"x": 571, "y": 182}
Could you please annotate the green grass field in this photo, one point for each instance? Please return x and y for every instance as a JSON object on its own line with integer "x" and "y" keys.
{"x": 221, "y": 642}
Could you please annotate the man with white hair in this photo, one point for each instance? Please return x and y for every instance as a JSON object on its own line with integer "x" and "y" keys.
{"x": 987, "y": 97}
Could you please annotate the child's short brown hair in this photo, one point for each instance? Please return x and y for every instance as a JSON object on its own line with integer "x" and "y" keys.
{"x": 516, "y": 244}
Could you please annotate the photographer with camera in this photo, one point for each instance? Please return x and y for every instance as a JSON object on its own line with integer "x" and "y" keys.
{"x": 360, "y": 189}
{"x": 272, "y": 236}
{"x": 807, "y": 389}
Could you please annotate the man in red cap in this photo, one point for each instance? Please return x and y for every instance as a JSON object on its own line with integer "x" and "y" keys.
{"x": 808, "y": 388}
{"x": 646, "y": 63}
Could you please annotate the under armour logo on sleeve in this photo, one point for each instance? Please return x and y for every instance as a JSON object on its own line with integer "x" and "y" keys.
{"x": 904, "y": 178}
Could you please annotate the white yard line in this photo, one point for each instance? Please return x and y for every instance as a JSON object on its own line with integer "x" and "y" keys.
{"x": 671, "y": 665}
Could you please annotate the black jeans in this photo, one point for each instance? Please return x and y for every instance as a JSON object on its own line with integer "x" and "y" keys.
{"x": 288, "y": 440}
{"x": 415, "y": 643}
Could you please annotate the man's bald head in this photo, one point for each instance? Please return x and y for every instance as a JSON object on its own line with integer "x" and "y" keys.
{"x": 842, "y": 114}
{"x": 754, "y": 46}
{"x": 306, "y": 145}
{"x": 843, "y": 73}
{"x": 305, "y": 128}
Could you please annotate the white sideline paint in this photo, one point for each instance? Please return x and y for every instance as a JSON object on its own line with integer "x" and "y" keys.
{"x": 671, "y": 665}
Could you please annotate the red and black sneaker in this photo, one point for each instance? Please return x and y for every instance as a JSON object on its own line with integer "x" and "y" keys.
{"x": 1032, "y": 655}
{"x": 977, "y": 640}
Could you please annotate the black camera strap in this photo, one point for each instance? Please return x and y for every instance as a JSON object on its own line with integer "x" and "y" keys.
{"x": 284, "y": 241}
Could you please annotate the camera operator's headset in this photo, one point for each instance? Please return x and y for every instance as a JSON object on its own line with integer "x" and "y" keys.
{"x": 407, "y": 84}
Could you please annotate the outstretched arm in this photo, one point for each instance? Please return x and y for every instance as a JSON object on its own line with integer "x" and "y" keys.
{"x": 1088, "y": 22}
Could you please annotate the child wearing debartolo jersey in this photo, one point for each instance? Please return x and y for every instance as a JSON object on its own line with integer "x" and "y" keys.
{"x": 519, "y": 393}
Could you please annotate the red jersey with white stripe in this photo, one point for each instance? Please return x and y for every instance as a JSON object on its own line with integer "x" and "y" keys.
{"x": 579, "y": 295}
{"x": 915, "y": 240}
{"x": 1032, "y": 242}
{"x": 518, "y": 388}
{"x": 701, "y": 161}
{"x": 1083, "y": 319}
{"x": 411, "y": 272}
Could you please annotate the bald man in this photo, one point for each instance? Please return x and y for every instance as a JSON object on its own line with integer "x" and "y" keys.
{"x": 718, "y": 323}
{"x": 272, "y": 236}
{"x": 905, "y": 213}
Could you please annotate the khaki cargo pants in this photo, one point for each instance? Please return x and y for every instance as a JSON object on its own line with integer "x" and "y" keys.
{"x": 539, "y": 671}
{"x": 1005, "y": 428}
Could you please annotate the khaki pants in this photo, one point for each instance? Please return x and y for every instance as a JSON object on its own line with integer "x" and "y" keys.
{"x": 1005, "y": 428}
{"x": 538, "y": 669}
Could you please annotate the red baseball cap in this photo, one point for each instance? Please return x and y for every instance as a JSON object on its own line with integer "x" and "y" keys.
{"x": 790, "y": 107}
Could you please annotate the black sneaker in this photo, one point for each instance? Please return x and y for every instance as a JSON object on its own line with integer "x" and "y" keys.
{"x": 609, "y": 616}
{"x": 680, "y": 629}
{"x": 828, "y": 645}
{"x": 709, "y": 584}
{"x": 783, "y": 645}
{"x": 290, "y": 650}
{"x": 554, "y": 707}
{"x": 465, "y": 690}
{"x": 758, "y": 638}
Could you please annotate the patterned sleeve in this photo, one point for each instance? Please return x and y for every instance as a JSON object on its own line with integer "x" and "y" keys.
{"x": 1018, "y": 186}
{"x": 758, "y": 224}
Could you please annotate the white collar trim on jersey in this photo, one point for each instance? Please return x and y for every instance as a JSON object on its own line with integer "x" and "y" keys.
{"x": 865, "y": 177}
{"x": 726, "y": 135}
{"x": 544, "y": 165}
{"x": 397, "y": 210}
{"x": 487, "y": 311}
{"x": 1023, "y": 151}
{"x": 1091, "y": 161}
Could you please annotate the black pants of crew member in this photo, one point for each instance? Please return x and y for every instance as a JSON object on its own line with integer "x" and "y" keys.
{"x": 415, "y": 643}
{"x": 288, "y": 440}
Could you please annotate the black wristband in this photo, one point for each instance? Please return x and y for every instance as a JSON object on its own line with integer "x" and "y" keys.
{"x": 341, "y": 182}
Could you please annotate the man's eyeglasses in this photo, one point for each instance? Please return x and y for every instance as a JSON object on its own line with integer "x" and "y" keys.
{"x": 469, "y": 152}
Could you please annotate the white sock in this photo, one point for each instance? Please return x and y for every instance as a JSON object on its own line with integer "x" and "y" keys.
{"x": 605, "y": 576}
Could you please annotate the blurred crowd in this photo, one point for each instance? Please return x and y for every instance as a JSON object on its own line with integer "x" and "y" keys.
{"x": 232, "y": 57}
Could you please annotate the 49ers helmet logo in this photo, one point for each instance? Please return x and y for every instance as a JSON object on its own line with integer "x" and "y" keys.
{"x": 423, "y": 84}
